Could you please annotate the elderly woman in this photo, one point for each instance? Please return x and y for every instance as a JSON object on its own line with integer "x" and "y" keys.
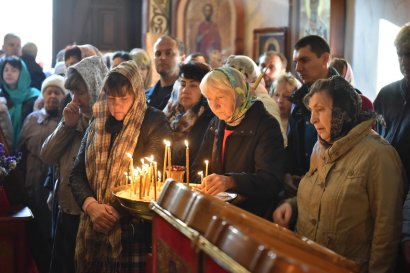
{"x": 108, "y": 239}
{"x": 351, "y": 198}
{"x": 251, "y": 71}
{"x": 243, "y": 143}
{"x": 188, "y": 114}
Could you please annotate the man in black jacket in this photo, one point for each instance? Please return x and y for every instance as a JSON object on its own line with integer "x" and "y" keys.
{"x": 169, "y": 52}
{"x": 28, "y": 55}
{"x": 311, "y": 57}
{"x": 393, "y": 103}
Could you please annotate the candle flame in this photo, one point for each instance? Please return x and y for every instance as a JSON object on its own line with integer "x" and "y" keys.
{"x": 129, "y": 155}
{"x": 186, "y": 143}
{"x": 206, "y": 162}
{"x": 167, "y": 142}
{"x": 149, "y": 159}
{"x": 201, "y": 173}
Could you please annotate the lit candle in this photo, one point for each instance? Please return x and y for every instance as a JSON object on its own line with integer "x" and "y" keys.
{"x": 165, "y": 160}
{"x": 131, "y": 162}
{"x": 155, "y": 187}
{"x": 126, "y": 177}
{"x": 169, "y": 155}
{"x": 206, "y": 168}
{"x": 201, "y": 175}
{"x": 187, "y": 161}
{"x": 155, "y": 171}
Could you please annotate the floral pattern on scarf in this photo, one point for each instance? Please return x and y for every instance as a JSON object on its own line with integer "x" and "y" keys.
{"x": 240, "y": 91}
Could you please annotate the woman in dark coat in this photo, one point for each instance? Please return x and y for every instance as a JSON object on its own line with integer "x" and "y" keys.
{"x": 108, "y": 239}
{"x": 243, "y": 144}
{"x": 188, "y": 112}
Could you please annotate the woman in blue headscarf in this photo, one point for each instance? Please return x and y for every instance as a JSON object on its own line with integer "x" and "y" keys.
{"x": 15, "y": 88}
{"x": 243, "y": 144}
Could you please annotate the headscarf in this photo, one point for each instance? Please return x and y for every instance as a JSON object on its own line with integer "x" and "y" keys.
{"x": 105, "y": 170}
{"x": 18, "y": 96}
{"x": 234, "y": 79}
{"x": 92, "y": 70}
{"x": 143, "y": 61}
{"x": 347, "y": 106}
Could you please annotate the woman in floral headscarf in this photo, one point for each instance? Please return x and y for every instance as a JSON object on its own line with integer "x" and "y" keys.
{"x": 108, "y": 239}
{"x": 243, "y": 143}
{"x": 351, "y": 198}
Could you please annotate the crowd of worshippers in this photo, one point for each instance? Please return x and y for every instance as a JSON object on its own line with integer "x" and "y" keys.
{"x": 307, "y": 151}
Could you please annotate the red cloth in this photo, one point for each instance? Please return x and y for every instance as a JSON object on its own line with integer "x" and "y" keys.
{"x": 366, "y": 103}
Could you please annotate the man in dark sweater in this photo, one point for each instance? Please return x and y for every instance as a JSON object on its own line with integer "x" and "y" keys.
{"x": 169, "y": 52}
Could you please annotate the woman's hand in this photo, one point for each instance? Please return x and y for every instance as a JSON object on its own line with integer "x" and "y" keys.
{"x": 103, "y": 217}
{"x": 215, "y": 183}
{"x": 282, "y": 215}
{"x": 71, "y": 114}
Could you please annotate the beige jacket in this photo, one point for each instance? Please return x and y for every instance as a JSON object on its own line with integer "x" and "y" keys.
{"x": 351, "y": 199}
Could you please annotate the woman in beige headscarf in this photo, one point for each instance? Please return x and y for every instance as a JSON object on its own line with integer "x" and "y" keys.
{"x": 108, "y": 239}
{"x": 144, "y": 63}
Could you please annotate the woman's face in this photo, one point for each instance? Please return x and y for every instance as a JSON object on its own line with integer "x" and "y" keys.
{"x": 281, "y": 96}
{"x": 119, "y": 106}
{"x": 52, "y": 97}
{"x": 144, "y": 72}
{"x": 221, "y": 102}
{"x": 321, "y": 105}
{"x": 189, "y": 93}
{"x": 81, "y": 98}
{"x": 11, "y": 75}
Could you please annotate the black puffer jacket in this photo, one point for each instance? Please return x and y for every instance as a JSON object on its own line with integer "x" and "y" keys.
{"x": 154, "y": 129}
{"x": 254, "y": 157}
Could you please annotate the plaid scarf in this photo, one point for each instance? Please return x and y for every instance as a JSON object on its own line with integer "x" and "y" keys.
{"x": 96, "y": 252}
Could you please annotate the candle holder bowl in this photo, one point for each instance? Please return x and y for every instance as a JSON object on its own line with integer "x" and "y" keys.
{"x": 137, "y": 208}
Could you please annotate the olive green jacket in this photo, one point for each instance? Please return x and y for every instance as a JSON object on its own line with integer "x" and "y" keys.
{"x": 351, "y": 199}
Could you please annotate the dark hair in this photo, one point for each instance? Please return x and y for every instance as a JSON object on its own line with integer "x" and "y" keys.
{"x": 72, "y": 51}
{"x": 339, "y": 64}
{"x": 117, "y": 85}
{"x": 317, "y": 44}
{"x": 194, "y": 70}
{"x": 74, "y": 80}
{"x": 180, "y": 43}
{"x": 121, "y": 54}
{"x": 194, "y": 55}
{"x": 13, "y": 61}
{"x": 275, "y": 53}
